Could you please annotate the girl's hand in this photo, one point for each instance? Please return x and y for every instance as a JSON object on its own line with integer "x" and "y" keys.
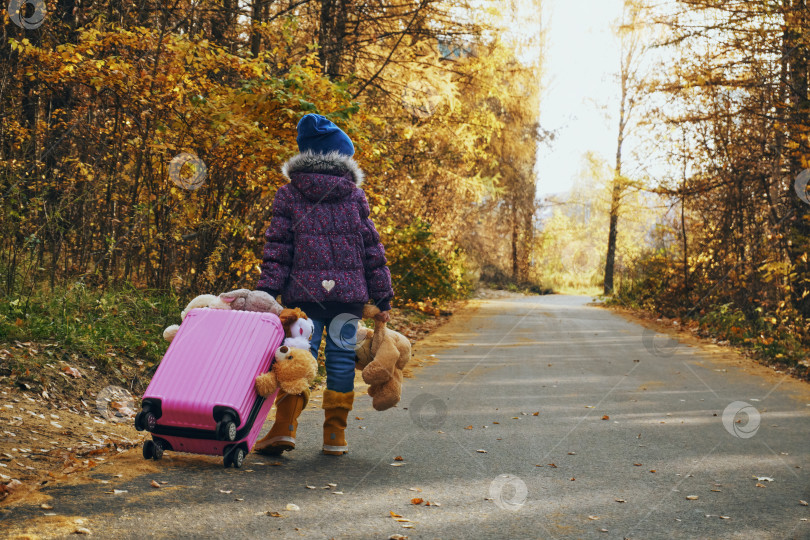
{"x": 383, "y": 316}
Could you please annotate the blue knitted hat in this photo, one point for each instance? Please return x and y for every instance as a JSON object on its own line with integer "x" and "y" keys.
{"x": 318, "y": 134}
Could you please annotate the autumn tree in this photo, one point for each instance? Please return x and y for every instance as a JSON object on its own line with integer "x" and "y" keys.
{"x": 630, "y": 50}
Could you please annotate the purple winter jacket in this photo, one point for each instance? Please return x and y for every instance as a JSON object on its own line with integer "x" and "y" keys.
{"x": 323, "y": 253}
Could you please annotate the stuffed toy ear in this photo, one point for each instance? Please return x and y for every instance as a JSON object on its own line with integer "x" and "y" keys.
{"x": 236, "y": 299}
{"x": 287, "y": 317}
{"x": 170, "y": 332}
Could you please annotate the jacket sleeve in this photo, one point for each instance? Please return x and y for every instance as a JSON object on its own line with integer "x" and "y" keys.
{"x": 277, "y": 256}
{"x": 378, "y": 277}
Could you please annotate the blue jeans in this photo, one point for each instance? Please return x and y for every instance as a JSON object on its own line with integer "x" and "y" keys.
{"x": 341, "y": 335}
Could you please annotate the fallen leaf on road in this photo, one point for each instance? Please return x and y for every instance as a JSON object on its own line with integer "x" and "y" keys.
{"x": 764, "y": 479}
{"x": 337, "y": 493}
{"x": 82, "y": 530}
{"x": 637, "y": 464}
{"x": 46, "y": 506}
{"x": 293, "y": 507}
{"x": 73, "y": 372}
{"x": 620, "y": 500}
{"x": 536, "y": 413}
{"x": 417, "y": 500}
{"x": 717, "y": 490}
{"x": 397, "y": 537}
{"x": 407, "y": 526}
{"x": 311, "y": 487}
{"x": 606, "y": 417}
{"x": 398, "y": 458}
{"x": 553, "y": 466}
{"x": 154, "y": 484}
{"x": 468, "y": 427}
{"x": 593, "y": 518}
{"x": 691, "y": 497}
{"x": 428, "y": 503}
{"x": 226, "y": 491}
{"x": 496, "y": 422}
{"x": 725, "y": 517}
{"x": 358, "y": 417}
{"x": 652, "y": 470}
{"x": 397, "y": 464}
{"x": 273, "y": 514}
{"x": 803, "y": 503}
{"x": 402, "y": 520}
{"x": 572, "y": 453}
{"x": 481, "y": 451}
{"x": 760, "y": 485}
{"x": 238, "y": 499}
{"x": 395, "y": 515}
{"x": 415, "y": 489}
{"x": 603, "y": 530}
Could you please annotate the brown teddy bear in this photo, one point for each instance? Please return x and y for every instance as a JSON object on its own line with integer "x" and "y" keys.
{"x": 381, "y": 354}
{"x": 293, "y": 371}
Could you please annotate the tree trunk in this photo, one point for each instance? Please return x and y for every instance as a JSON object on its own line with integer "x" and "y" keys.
{"x": 628, "y": 49}
{"x": 331, "y": 35}
{"x": 615, "y": 202}
{"x": 796, "y": 24}
{"x": 515, "y": 236}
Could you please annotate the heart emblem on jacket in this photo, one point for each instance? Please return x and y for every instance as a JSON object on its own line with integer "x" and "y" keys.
{"x": 328, "y": 284}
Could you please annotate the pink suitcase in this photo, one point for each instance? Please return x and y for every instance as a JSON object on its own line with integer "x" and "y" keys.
{"x": 201, "y": 399}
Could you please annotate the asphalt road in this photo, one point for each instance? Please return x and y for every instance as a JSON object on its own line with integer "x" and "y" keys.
{"x": 629, "y": 441}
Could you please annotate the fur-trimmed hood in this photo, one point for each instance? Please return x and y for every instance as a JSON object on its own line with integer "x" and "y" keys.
{"x": 323, "y": 177}
{"x": 332, "y": 164}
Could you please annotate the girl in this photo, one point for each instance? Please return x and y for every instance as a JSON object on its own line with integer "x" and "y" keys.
{"x": 323, "y": 255}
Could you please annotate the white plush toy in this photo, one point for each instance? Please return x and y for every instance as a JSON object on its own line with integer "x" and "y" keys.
{"x": 301, "y": 334}
{"x": 203, "y": 301}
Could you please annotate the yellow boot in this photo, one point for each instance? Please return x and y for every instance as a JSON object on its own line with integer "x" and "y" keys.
{"x": 336, "y": 407}
{"x": 281, "y": 437}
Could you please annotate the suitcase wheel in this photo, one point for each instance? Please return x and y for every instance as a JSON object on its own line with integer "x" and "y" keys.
{"x": 234, "y": 456}
{"x": 226, "y": 429}
{"x": 152, "y": 450}
{"x": 158, "y": 453}
{"x": 145, "y": 420}
{"x": 148, "y": 449}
